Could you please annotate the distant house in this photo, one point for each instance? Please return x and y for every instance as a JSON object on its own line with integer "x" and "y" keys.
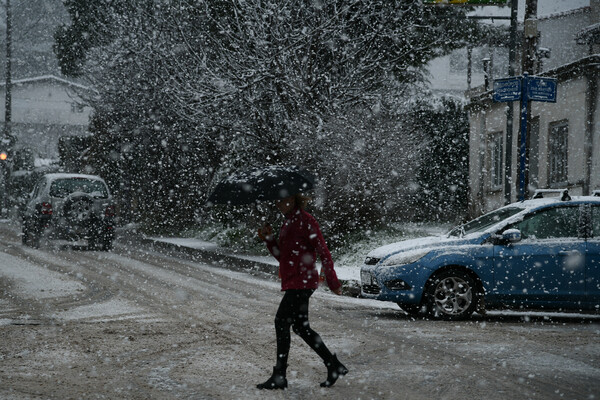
{"x": 564, "y": 149}
{"x": 464, "y": 68}
{"x": 44, "y": 108}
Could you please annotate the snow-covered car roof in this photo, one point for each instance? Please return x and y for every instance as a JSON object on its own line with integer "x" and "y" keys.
{"x": 528, "y": 206}
{"x": 55, "y": 176}
{"x": 524, "y": 207}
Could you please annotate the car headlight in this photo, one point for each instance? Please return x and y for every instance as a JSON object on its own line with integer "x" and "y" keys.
{"x": 406, "y": 257}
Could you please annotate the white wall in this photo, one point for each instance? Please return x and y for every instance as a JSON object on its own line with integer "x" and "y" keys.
{"x": 43, "y": 110}
{"x": 44, "y": 102}
{"x": 571, "y": 106}
{"x": 558, "y": 34}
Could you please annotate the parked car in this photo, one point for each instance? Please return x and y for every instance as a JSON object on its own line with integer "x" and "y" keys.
{"x": 542, "y": 253}
{"x": 21, "y": 183}
{"x": 70, "y": 207}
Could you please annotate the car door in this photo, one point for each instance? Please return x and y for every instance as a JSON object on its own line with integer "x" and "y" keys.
{"x": 545, "y": 268}
{"x": 592, "y": 256}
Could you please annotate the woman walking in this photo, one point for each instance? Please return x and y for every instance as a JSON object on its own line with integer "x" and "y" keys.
{"x": 300, "y": 240}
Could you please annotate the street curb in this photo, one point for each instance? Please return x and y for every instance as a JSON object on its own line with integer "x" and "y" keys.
{"x": 214, "y": 256}
{"x": 218, "y": 257}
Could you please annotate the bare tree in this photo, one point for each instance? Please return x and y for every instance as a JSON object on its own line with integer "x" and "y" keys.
{"x": 326, "y": 85}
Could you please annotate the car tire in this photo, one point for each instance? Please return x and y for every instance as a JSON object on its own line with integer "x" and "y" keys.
{"x": 25, "y": 235}
{"x": 34, "y": 240}
{"x": 451, "y": 295}
{"x": 30, "y": 237}
{"x": 92, "y": 243}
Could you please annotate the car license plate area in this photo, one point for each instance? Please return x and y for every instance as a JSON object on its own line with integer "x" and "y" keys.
{"x": 365, "y": 278}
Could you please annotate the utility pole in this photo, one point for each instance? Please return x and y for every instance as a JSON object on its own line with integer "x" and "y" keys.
{"x": 6, "y": 141}
{"x": 530, "y": 39}
{"x": 512, "y": 60}
{"x": 8, "y": 99}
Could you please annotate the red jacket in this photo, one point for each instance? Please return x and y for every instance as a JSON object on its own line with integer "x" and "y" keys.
{"x": 300, "y": 240}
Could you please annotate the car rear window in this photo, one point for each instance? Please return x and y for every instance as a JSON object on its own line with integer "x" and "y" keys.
{"x": 63, "y": 187}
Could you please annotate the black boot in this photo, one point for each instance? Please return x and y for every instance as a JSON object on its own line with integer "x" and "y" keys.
{"x": 276, "y": 381}
{"x": 335, "y": 369}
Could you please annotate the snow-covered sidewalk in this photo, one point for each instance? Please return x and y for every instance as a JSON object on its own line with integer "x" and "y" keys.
{"x": 344, "y": 273}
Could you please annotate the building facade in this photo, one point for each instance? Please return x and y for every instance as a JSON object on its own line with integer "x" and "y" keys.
{"x": 45, "y": 108}
{"x": 563, "y": 137}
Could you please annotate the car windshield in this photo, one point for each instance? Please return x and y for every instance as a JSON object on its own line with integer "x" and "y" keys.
{"x": 484, "y": 222}
{"x": 64, "y": 187}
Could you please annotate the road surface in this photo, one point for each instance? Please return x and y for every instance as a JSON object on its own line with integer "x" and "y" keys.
{"x": 135, "y": 323}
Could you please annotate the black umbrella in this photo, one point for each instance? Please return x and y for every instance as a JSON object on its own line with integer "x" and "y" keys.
{"x": 261, "y": 184}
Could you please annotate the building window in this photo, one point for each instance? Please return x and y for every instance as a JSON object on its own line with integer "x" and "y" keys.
{"x": 558, "y": 138}
{"x": 496, "y": 170}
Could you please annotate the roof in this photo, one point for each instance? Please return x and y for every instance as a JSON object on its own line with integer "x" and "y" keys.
{"x": 48, "y": 78}
{"x": 533, "y": 203}
{"x": 589, "y": 35}
{"x": 561, "y": 14}
{"x": 562, "y": 73}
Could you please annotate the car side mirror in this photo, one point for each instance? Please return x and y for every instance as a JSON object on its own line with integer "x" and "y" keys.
{"x": 511, "y": 236}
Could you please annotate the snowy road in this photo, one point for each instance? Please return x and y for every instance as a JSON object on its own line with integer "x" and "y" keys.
{"x": 137, "y": 324}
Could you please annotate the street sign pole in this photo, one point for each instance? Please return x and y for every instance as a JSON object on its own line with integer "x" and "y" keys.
{"x": 525, "y": 88}
{"x": 512, "y": 58}
{"x": 523, "y": 147}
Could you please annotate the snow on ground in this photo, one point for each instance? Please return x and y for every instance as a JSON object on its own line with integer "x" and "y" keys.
{"x": 187, "y": 242}
{"x": 31, "y": 281}
{"x": 350, "y": 272}
{"x": 116, "y": 309}
{"x": 37, "y": 282}
{"x": 344, "y": 272}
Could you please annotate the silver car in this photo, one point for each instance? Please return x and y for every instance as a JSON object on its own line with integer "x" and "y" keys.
{"x": 70, "y": 207}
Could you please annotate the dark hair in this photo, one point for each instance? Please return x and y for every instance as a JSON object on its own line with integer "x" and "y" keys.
{"x": 301, "y": 201}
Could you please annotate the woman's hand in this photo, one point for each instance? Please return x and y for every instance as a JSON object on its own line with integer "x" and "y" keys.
{"x": 266, "y": 232}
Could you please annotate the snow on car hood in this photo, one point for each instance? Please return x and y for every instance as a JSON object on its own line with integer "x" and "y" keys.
{"x": 416, "y": 244}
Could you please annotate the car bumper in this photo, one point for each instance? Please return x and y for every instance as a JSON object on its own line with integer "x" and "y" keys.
{"x": 402, "y": 284}
{"x": 60, "y": 231}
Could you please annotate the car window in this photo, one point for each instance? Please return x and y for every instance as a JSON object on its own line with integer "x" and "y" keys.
{"x": 485, "y": 221}
{"x": 63, "y": 187}
{"x": 558, "y": 222}
{"x": 596, "y": 221}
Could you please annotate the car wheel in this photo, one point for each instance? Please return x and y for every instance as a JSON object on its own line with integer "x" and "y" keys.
{"x": 34, "y": 239}
{"x": 92, "y": 242}
{"x": 25, "y": 236}
{"x": 451, "y": 295}
{"x": 30, "y": 235}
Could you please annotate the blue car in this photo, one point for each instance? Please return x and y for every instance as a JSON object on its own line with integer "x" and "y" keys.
{"x": 542, "y": 253}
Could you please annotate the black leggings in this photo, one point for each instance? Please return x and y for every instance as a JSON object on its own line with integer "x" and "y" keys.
{"x": 293, "y": 312}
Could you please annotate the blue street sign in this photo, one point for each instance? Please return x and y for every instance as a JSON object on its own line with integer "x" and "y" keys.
{"x": 507, "y": 89}
{"x": 542, "y": 89}
{"x": 525, "y": 88}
